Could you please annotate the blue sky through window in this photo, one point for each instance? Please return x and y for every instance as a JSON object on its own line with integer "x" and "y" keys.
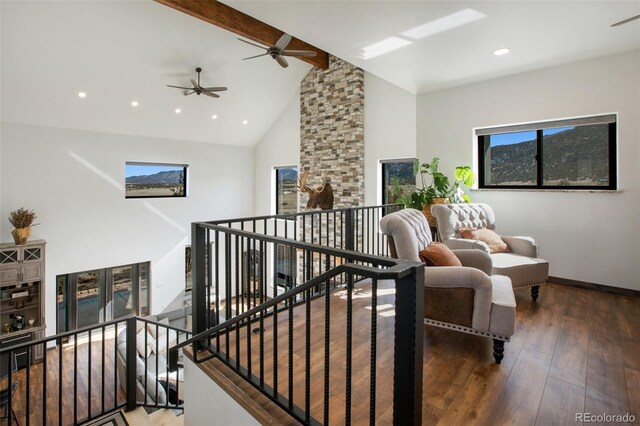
{"x": 518, "y": 137}
{"x": 149, "y": 169}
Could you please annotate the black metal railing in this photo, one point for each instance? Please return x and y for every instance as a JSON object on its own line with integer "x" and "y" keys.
{"x": 296, "y": 341}
{"x": 239, "y": 270}
{"x": 80, "y": 375}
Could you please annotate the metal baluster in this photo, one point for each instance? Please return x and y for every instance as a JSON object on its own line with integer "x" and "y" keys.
{"x": 44, "y": 385}
{"x": 10, "y": 388}
{"x": 217, "y": 281}
{"x": 275, "y": 331}
{"x": 261, "y": 278}
{"x": 75, "y": 379}
{"x": 307, "y": 381}
{"x": 327, "y": 363}
{"x": 347, "y": 415}
{"x": 374, "y": 348}
{"x": 60, "y": 356}
{"x": 28, "y": 392}
{"x": 227, "y": 295}
{"x": 290, "y": 355}
{"x": 89, "y": 399}
{"x": 103, "y": 376}
{"x": 115, "y": 368}
{"x": 237, "y": 286}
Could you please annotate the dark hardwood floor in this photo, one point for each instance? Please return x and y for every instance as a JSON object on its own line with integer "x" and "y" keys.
{"x": 75, "y": 404}
{"x": 574, "y": 351}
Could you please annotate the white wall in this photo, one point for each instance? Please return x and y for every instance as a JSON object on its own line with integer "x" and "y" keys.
{"x": 206, "y": 403}
{"x": 389, "y": 130}
{"x": 588, "y": 237}
{"x": 280, "y": 146}
{"x": 74, "y": 180}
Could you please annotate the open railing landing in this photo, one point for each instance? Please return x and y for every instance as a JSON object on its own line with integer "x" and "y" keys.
{"x": 307, "y": 309}
{"x": 87, "y": 373}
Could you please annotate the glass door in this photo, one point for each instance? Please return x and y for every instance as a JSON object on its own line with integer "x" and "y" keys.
{"x": 89, "y": 297}
{"x": 122, "y": 293}
{"x": 92, "y": 297}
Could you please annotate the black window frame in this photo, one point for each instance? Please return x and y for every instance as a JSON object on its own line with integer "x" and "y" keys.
{"x": 383, "y": 184}
{"x": 185, "y": 188}
{"x": 610, "y": 119}
{"x": 277, "y": 181}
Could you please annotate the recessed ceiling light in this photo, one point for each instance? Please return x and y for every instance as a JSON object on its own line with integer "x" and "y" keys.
{"x": 178, "y": 110}
{"x": 501, "y": 51}
{"x": 82, "y": 94}
{"x": 214, "y": 116}
{"x": 134, "y": 103}
{"x": 245, "y": 122}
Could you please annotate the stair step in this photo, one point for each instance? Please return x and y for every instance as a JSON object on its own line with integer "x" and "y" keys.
{"x": 139, "y": 417}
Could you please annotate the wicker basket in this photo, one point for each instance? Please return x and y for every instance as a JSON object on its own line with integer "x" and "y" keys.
{"x": 426, "y": 210}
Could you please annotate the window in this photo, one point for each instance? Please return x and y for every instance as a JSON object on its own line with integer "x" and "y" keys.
{"x": 150, "y": 180}
{"x": 576, "y": 153}
{"x": 286, "y": 190}
{"x": 397, "y": 179}
{"x": 92, "y": 297}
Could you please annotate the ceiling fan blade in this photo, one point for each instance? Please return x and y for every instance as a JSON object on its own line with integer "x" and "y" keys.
{"x": 253, "y": 44}
{"x": 190, "y": 93}
{"x": 282, "y": 61}
{"x": 214, "y": 89}
{"x": 283, "y": 41}
{"x": 195, "y": 85}
{"x": 213, "y": 95}
{"x": 257, "y": 56}
{"x": 305, "y": 53}
{"x": 179, "y": 87}
{"x": 624, "y": 21}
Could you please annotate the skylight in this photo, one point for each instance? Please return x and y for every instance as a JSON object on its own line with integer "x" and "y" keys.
{"x": 445, "y": 23}
{"x": 385, "y": 46}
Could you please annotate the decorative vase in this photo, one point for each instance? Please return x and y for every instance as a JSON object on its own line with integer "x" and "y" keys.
{"x": 426, "y": 210}
{"x": 21, "y": 235}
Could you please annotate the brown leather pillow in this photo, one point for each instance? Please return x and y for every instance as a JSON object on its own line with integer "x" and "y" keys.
{"x": 438, "y": 254}
{"x": 487, "y": 236}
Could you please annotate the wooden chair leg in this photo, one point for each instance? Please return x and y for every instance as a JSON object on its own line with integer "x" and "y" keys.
{"x": 498, "y": 350}
{"x": 534, "y": 292}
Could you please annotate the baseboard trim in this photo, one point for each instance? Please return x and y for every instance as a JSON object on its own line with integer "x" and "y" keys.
{"x": 596, "y": 287}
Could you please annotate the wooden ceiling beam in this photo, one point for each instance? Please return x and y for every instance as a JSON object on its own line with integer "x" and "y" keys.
{"x": 230, "y": 19}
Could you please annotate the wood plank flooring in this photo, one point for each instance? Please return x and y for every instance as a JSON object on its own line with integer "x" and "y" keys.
{"x": 574, "y": 351}
{"x": 75, "y": 405}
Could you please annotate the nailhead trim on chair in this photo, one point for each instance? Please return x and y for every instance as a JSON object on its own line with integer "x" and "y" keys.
{"x": 530, "y": 284}
{"x": 464, "y": 329}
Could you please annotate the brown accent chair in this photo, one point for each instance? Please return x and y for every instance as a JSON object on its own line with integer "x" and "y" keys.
{"x": 462, "y": 298}
{"x": 522, "y": 265}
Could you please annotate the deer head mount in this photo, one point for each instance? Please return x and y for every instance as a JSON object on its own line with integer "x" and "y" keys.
{"x": 321, "y": 196}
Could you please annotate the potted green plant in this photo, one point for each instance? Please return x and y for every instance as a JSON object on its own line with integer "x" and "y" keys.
{"x": 440, "y": 190}
{"x": 22, "y": 220}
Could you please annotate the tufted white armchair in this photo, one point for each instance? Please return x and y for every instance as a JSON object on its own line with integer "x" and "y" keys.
{"x": 462, "y": 298}
{"x": 522, "y": 265}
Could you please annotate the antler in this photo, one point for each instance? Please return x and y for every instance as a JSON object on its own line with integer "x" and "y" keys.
{"x": 302, "y": 185}
{"x": 324, "y": 182}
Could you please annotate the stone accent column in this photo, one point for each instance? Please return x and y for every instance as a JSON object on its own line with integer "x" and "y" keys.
{"x": 331, "y": 144}
{"x": 332, "y": 131}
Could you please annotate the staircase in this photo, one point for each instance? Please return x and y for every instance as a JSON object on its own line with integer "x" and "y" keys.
{"x": 139, "y": 417}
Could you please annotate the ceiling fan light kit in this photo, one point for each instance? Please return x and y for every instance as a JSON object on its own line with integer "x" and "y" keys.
{"x": 198, "y": 89}
{"x": 278, "y": 51}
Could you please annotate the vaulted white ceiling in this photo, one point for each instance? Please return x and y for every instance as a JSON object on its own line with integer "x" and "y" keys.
{"x": 120, "y": 51}
{"x": 539, "y": 34}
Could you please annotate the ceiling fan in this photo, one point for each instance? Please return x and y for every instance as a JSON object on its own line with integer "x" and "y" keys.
{"x": 278, "y": 51}
{"x": 625, "y": 21}
{"x": 198, "y": 89}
